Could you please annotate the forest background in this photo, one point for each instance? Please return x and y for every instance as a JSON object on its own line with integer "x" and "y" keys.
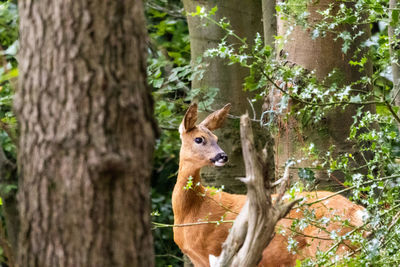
{"x": 334, "y": 111}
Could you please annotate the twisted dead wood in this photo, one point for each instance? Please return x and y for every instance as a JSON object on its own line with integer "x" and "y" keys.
{"x": 254, "y": 227}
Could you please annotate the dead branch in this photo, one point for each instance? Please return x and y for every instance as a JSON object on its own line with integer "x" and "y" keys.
{"x": 254, "y": 227}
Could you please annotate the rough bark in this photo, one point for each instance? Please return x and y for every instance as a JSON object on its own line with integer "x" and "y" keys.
{"x": 86, "y": 134}
{"x": 322, "y": 55}
{"x": 245, "y": 18}
{"x": 254, "y": 227}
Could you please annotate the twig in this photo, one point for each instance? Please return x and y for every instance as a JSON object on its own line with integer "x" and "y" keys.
{"x": 320, "y": 104}
{"x": 169, "y": 255}
{"x": 165, "y": 225}
{"x": 5, "y": 127}
{"x": 172, "y": 13}
{"x": 252, "y": 109}
{"x": 285, "y": 180}
{"x": 342, "y": 241}
{"x": 350, "y": 188}
{"x": 6, "y": 247}
{"x": 392, "y": 111}
{"x": 212, "y": 199}
{"x": 310, "y": 236}
{"x": 231, "y": 116}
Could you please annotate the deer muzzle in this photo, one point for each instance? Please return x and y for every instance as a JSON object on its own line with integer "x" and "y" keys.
{"x": 220, "y": 159}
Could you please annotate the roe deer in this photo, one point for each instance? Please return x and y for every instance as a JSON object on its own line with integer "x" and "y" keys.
{"x": 199, "y": 148}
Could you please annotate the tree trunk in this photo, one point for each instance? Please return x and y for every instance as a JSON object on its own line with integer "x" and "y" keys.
{"x": 245, "y": 18}
{"x": 322, "y": 55}
{"x": 394, "y": 55}
{"x": 269, "y": 21}
{"x": 86, "y": 134}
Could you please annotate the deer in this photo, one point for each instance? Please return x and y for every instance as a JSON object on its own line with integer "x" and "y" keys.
{"x": 195, "y": 205}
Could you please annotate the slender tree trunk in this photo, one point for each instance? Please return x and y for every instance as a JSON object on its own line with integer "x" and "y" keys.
{"x": 394, "y": 55}
{"x": 322, "y": 55}
{"x": 246, "y": 20}
{"x": 86, "y": 134}
{"x": 269, "y": 21}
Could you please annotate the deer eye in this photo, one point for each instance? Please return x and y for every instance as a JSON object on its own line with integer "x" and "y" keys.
{"x": 199, "y": 140}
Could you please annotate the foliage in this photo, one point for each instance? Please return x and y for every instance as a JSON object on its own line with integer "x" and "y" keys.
{"x": 8, "y": 74}
{"x": 168, "y": 71}
{"x": 8, "y": 125}
{"x": 375, "y": 182}
{"x": 375, "y": 185}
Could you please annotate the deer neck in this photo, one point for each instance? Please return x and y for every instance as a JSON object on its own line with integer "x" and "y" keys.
{"x": 187, "y": 196}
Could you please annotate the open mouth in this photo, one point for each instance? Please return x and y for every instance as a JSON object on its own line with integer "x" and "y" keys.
{"x": 219, "y": 164}
{"x": 220, "y": 159}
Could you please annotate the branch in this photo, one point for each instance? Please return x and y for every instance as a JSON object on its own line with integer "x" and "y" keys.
{"x": 165, "y": 225}
{"x": 390, "y": 108}
{"x": 7, "y": 128}
{"x": 176, "y": 14}
{"x": 305, "y": 102}
{"x": 169, "y": 256}
{"x": 284, "y": 181}
{"x": 349, "y": 188}
{"x": 254, "y": 227}
{"x": 5, "y": 245}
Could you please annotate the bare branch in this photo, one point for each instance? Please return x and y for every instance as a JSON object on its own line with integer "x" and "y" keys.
{"x": 284, "y": 181}
{"x": 254, "y": 227}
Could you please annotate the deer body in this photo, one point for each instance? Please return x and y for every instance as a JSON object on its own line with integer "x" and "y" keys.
{"x": 198, "y": 205}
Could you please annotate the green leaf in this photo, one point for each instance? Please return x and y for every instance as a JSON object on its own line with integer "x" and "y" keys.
{"x": 213, "y": 10}
{"x": 9, "y": 75}
{"x": 306, "y": 174}
{"x": 355, "y": 99}
{"x": 157, "y": 83}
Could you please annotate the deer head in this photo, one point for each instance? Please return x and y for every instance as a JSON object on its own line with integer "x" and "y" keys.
{"x": 199, "y": 144}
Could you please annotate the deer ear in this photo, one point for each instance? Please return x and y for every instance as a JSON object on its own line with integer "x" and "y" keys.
{"x": 217, "y": 118}
{"x": 189, "y": 120}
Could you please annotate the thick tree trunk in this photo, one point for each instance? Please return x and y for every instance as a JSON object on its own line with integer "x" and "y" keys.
{"x": 322, "y": 55}
{"x": 87, "y": 134}
{"x": 246, "y": 21}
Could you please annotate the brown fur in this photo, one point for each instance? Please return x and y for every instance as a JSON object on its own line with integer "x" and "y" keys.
{"x": 198, "y": 204}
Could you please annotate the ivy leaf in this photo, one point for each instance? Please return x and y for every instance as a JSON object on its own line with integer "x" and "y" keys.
{"x": 355, "y": 99}
{"x": 306, "y": 174}
{"x": 157, "y": 83}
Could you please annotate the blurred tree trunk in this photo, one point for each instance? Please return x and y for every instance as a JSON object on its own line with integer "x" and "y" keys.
{"x": 269, "y": 21}
{"x": 246, "y": 20}
{"x": 394, "y": 54}
{"x": 86, "y": 134}
{"x": 322, "y": 55}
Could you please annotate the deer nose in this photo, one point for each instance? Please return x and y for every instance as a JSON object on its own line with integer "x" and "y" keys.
{"x": 220, "y": 159}
{"x": 223, "y": 157}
